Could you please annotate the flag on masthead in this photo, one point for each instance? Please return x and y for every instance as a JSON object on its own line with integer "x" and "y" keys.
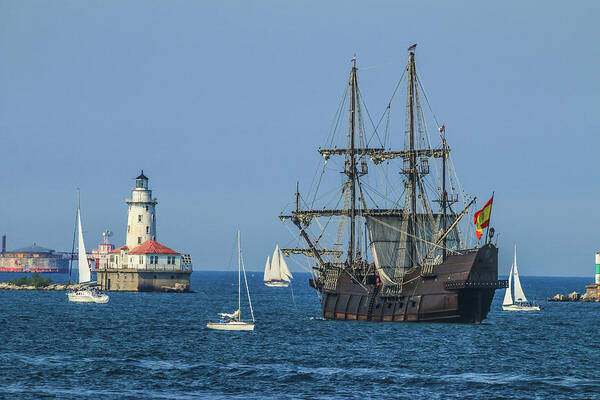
{"x": 413, "y": 47}
{"x": 482, "y": 218}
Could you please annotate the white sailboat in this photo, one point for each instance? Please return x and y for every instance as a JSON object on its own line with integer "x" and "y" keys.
{"x": 519, "y": 302}
{"x": 233, "y": 321}
{"x": 277, "y": 273}
{"x": 87, "y": 295}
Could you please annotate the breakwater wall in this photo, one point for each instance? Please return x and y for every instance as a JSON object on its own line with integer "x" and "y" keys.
{"x": 52, "y": 286}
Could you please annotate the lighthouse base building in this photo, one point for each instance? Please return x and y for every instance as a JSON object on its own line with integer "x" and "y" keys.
{"x": 143, "y": 264}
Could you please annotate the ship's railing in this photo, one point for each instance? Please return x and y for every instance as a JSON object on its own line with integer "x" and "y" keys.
{"x": 498, "y": 284}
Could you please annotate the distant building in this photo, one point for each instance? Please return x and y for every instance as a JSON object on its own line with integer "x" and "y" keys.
{"x": 33, "y": 258}
{"x": 142, "y": 264}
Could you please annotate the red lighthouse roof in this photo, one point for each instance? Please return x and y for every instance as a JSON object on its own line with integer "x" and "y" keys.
{"x": 152, "y": 247}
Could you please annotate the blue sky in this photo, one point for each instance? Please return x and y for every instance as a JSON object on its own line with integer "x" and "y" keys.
{"x": 224, "y": 103}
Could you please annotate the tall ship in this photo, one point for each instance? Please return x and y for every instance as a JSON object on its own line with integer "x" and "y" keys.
{"x": 380, "y": 247}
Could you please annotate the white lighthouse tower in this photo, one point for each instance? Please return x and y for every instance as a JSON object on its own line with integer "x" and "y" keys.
{"x": 141, "y": 215}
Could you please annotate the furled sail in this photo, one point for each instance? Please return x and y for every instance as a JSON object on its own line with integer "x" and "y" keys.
{"x": 85, "y": 274}
{"x": 236, "y": 314}
{"x": 519, "y": 295}
{"x": 267, "y": 276}
{"x": 275, "y": 271}
{"x": 508, "y": 294}
{"x": 390, "y": 243}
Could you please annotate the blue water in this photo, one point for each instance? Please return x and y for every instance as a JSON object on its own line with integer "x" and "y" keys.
{"x": 154, "y": 345}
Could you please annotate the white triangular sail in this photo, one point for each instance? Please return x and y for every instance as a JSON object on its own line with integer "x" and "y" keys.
{"x": 519, "y": 295}
{"x": 508, "y": 294}
{"x": 275, "y": 272}
{"x": 267, "y": 276}
{"x": 85, "y": 274}
{"x": 286, "y": 275}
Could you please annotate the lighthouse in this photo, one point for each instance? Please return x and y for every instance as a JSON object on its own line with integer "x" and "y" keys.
{"x": 141, "y": 213}
{"x": 142, "y": 264}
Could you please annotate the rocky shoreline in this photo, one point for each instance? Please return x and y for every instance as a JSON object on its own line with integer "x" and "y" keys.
{"x": 574, "y": 297}
{"x": 52, "y": 286}
{"x": 75, "y": 286}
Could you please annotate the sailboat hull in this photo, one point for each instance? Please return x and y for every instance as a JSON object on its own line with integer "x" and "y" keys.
{"x": 277, "y": 283}
{"x": 230, "y": 326}
{"x": 516, "y": 307}
{"x": 85, "y": 296}
{"x": 461, "y": 289}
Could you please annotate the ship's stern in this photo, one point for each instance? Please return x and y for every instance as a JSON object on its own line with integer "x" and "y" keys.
{"x": 475, "y": 294}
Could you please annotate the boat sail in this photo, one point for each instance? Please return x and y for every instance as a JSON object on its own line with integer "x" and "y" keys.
{"x": 85, "y": 272}
{"x": 420, "y": 266}
{"x": 233, "y": 321}
{"x": 277, "y": 273}
{"x": 520, "y": 302}
{"x": 87, "y": 295}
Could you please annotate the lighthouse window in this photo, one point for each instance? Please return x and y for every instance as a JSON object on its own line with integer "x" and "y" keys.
{"x": 146, "y": 208}
{"x": 139, "y": 218}
{"x": 128, "y": 228}
{"x": 139, "y": 240}
{"x": 147, "y": 229}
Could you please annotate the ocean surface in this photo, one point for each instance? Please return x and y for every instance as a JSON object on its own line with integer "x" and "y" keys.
{"x": 156, "y": 346}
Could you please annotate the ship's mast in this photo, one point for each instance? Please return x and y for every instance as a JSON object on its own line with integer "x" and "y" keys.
{"x": 444, "y": 193}
{"x": 412, "y": 176}
{"x": 350, "y": 165}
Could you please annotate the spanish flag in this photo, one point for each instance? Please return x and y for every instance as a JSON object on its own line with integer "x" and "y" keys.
{"x": 482, "y": 218}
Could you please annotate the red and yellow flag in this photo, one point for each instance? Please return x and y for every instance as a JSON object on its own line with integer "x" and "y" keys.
{"x": 482, "y": 218}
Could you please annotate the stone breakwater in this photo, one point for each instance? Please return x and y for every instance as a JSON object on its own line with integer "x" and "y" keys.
{"x": 52, "y": 286}
{"x": 575, "y": 297}
{"x": 177, "y": 288}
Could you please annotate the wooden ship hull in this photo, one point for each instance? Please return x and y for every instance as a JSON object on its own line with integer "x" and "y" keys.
{"x": 461, "y": 289}
{"x": 422, "y": 271}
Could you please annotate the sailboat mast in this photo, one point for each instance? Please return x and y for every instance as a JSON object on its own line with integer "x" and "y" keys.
{"x": 239, "y": 276}
{"x": 413, "y": 155}
{"x": 74, "y": 236}
{"x": 351, "y": 163}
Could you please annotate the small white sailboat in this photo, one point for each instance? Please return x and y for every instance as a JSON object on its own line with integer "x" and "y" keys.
{"x": 519, "y": 302}
{"x": 233, "y": 321}
{"x": 277, "y": 273}
{"x": 89, "y": 294}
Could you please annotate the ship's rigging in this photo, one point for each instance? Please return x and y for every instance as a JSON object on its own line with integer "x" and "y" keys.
{"x": 389, "y": 216}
